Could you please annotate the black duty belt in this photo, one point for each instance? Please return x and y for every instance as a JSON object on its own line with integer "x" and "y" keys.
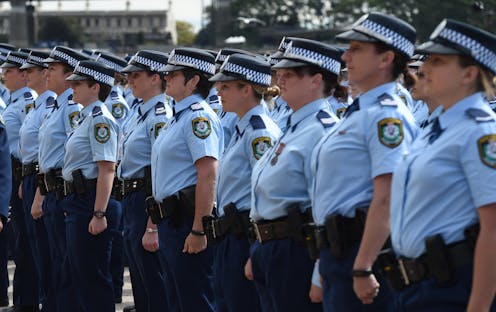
{"x": 16, "y": 169}
{"x": 267, "y": 230}
{"x": 70, "y": 187}
{"x": 132, "y": 185}
{"x": 224, "y": 225}
{"x": 30, "y": 169}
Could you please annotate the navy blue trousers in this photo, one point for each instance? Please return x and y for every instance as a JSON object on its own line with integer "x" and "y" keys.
{"x": 189, "y": 277}
{"x": 282, "y": 270}
{"x": 117, "y": 260}
{"x": 429, "y": 297}
{"x": 233, "y": 292}
{"x": 147, "y": 275}
{"x": 6, "y": 236}
{"x": 338, "y": 285}
{"x": 53, "y": 216}
{"x": 89, "y": 255}
{"x": 38, "y": 241}
{"x": 26, "y": 280}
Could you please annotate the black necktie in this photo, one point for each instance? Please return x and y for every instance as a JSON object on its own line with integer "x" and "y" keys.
{"x": 352, "y": 108}
{"x": 435, "y": 130}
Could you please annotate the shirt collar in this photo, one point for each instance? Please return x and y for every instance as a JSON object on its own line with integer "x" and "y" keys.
{"x": 187, "y": 102}
{"x": 64, "y": 96}
{"x": 456, "y": 112}
{"x": 145, "y": 107}
{"x": 371, "y": 96}
{"x": 88, "y": 109}
{"x": 20, "y": 92}
{"x": 308, "y": 110}
{"x": 43, "y": 97}
{"x": 245, "y": 120}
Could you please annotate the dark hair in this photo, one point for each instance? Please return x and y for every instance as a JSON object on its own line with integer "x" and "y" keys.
{"x": 67, "y": 68}
{"x": 203, "y": 87}
{"x": 161, "y": 76}
{"x": 120, "y": 79}
{"x": 400, "y": 64}
{"x": 331, "y": 83}
{"x": 484, "y": 78}
{"x": 104, "y": 89}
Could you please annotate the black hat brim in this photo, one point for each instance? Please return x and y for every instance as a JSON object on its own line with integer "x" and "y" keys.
{"x": 8, "y": 65}
{"x": 353, "y": 35}
{"x": 130, "y": 68}
{"x": 287, "y": 63}
{"x": 431, "y": 47}
{"x": 49, "y": 60}
{"x": 77, "y": 77}
{"x": 29, "y": 65}
{"x": 221, "y": 77}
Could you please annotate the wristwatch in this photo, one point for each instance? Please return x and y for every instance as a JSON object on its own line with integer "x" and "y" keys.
{"x": 99, "y": 214}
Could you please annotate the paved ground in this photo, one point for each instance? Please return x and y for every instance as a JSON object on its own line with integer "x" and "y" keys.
{"x": 127, "y": 296}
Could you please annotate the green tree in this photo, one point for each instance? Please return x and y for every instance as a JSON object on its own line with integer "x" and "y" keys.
{"x": 61, "y": 29}
{"x": 185, "y": 33}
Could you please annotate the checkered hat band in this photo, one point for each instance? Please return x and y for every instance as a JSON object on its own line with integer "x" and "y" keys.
{"x": 3, "y": 50}
{"x": 249, "y": 74}
{"x": 397, "y": 40}
{"x": 151, "y": 64}
{"x": 188, "y": 61}
{"x": 66, "y": 57}
{"x": 111, "y": 64}
{"x": 220, "y": 58}
{"x": 98, "y": 76}
{"x": 314, "y": 58}
{"x": 283, "y": 46}
{"x": 479, "y": 52}
{"x": 15, "y": 59}
{"x": 2, "y": 57}
{"x": 35, "y": 59}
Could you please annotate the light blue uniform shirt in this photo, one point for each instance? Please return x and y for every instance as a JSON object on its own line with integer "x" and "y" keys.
{"x": 193, "y": 133}
{"x": 280, "y": 113}
{"x": 61, "y": 119}
{"x": 28, "y": 134}
{"x": 117, "y": 105}
{"x": 438, "y": 186}
{"x": 3, "y": 106}
{"x": 143, "y": 130}
{"x": 363, "y": 145}
{"x": 21, "y": 102}
{"x": 282, "y": 177}
{"x": 94, "y": 139}
{"x": 228, "y": 120}
{"x": 420, "y": 112}
{"x": 255, "y": 134}
{"x": 4, "y": 93}
{"x": 338, "y": 107}
{"x": 405, "y": 96}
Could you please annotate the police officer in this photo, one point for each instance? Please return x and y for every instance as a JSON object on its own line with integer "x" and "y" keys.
{"x": 361, "y": 153}
{"x": 60, "y": 120}
{"x": 280, "y": 264}
{"x": 6, "y": 181}
{"x": 443, "y": 198}
{"x": 5, "y": 48}
{"x": 184, "y": 167}
{"x": 134, "y": 172}
{"x": 26, "y": 297}
{"x": 89, "y": 165}
{"x": 241, "y": 82}
{"x": 32, "y": 199}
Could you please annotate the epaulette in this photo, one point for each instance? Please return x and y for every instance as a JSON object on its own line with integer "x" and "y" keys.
{"x": 160, "y": 109}
{"x": 479, "y": 115}
{"x": 325, "y": 119}
{"x": 50, "y": 102}
{"x": 114, "y": 95}
{"x": 213, "y": 99}
{"x": 257, "y": 122}
{"x": 28, "y": 96}
{"x": 97, "y": 111}
{"x": 70, "y": 101}
{"x": 196, "y": 107}
{"x": 387, "y": 100}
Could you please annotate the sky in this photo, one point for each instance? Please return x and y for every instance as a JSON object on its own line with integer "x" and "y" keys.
{"x": 184, "y": 10}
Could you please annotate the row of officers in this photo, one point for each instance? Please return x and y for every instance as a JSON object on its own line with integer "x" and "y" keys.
{"x": 270, "y": 192}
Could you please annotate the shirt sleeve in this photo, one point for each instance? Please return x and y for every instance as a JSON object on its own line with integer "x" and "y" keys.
{"x": 103, "y": 139}
{"x": 258, "y": 143}
{"x": 202, "y": 136}
{"x": 71, "y": 117}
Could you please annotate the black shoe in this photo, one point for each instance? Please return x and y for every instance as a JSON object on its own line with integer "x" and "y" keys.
{"x": 129, "y": 309}
{"x": 118, "y": 299}
{"x": 4, "y": 302}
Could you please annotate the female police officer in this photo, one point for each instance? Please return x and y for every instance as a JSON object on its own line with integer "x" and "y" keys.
{"x": 147, "y": 275}
{"x": 241, "y": 83}
{"x": 444, "y": 188}
{"x": 361, "y": 153}
{"x": 281, "y": 265}
{"x": 88, "y": 172}
{"x": 184, "y": 167}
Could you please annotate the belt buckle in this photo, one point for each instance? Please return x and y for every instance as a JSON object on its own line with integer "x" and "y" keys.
{"x": 403, "y": 271}
{"x": 257, "y": 232}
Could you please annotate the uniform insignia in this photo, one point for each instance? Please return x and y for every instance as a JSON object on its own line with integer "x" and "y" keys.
{"x": 213, "y": 99}
{"x": 257, "y": 122}
{"x": 160, "y": 109}
{"x": 97, "y": 111}
{"x": 196, "y": 107}
{"x": 403, "y": 98}
{"x": 387, "y": 100}
{"x": 102, "y": 132}
{"x": 201, "y": 127}
{"x": 325, "y": 119}
{"x": 28, "y": 97}
{"x": 117, "y": 110}
{"x": 74, "y": 119}
{"x": 158, "y": 127}
{"x": 340, "y": 112}
{"x": 114, "y": 95}
{"x": 50, "y": 102}
{"x": 28, "y": 107}
{"x": 216, "y": 110}
{"x": 260, "y": 146}
{"x": 487, "y": 150}
{"x": 70, "y": 101}
{"x": 479, "y": 115}
{"x": 390, "y": 132}
{"x": 281, "y": 146}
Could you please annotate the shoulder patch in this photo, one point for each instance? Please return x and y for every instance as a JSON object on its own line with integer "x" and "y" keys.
{"x": 28, "y": 96}
{"x": 487, "y": 150}
{"x": 390, "y": 131}
{"x": 157, "y": 128}
{"x": 201, "y": 127}
{"x": 479, "y": 115}
{"x": 160, "y": 109}
{"x": 387, "y": 100}
{"x": 118, "y": 110}
{"x": 340, "y": 112}
{"x": 260, "y": 145}
{"x": 196, "y": 107}
{"x": 257, "y": 122}
{"x": 325, "y": 119}
{"x": 97, "y": 111}
{"x": 28, "y": 107}
{"x": 74, "y": 119}
{"x": 102, "y": 132}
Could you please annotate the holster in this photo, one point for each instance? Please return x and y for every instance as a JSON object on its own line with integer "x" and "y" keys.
{"x": 148, "y": 181}
{"x": 117, "y": 189}
{"x": 387, "y": 264}
{"x": 342, "y": 232}
{"x": 296, "y": 222}
{"x": 438, "y": 260}
{"x": 471, "y": 234}
{"x": 153, "y": 210}
{"x": 311, "y": 240}
{"x": 40, "y": 182}
{"x": 79, "y": 182}
{"x": 55, "y": 183}
{"x": 16, "y": 169}
{"x": 209, "y": 229}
